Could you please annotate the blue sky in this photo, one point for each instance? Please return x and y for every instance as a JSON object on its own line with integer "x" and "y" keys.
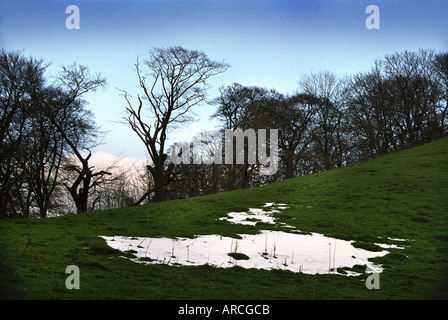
{"x": 268, "y": 43}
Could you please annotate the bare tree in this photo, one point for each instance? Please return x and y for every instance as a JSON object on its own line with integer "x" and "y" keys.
{"x": 20, "y": 79}
{"x": 295, "y": 118}
{"x": 329, "y": 132}
{"x": 400, "y": 103}
{"x": 39, "y": 124}
{"x": 41, "y": 154}
{"x": 176, "y": 83}
{"x": 440, "y": 67}
{"x": 371, "y": 118}
{"x": 245, "y": 108}
{"x": 77, "y": 128}
{"x": 416, "y": 94}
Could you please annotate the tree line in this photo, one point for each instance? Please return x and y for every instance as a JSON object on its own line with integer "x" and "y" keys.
{"x": 47, "y": 133}
{"x": 330, "y": 122}
{"x": 45, "y": 130}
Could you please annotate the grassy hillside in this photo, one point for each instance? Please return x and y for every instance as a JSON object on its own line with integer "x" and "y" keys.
{"x": 402, "y": 195}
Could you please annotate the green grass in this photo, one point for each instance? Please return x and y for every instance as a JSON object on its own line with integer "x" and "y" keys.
{"x": 238, "y": 256}
{"x": 402, "y": 195}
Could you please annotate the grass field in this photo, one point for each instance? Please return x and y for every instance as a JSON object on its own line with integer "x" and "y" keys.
{"x": 402, "y": 195}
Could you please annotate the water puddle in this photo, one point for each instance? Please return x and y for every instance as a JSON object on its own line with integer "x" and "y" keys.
{"x": 306, "y": 253}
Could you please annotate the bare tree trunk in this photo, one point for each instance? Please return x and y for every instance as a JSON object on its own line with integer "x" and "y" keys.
{"x": 181, "y": 76}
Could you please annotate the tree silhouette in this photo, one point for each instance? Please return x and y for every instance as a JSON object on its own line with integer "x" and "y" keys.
{"x": 176, "y": 82}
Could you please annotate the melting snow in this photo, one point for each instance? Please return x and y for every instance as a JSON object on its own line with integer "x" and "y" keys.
{"x": 311, "y": 253}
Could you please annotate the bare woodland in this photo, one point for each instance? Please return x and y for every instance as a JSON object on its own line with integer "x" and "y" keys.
{"x": 47, "y": 134}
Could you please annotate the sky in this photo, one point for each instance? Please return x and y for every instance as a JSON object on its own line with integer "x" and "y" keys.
{"x": 267, "y": 43}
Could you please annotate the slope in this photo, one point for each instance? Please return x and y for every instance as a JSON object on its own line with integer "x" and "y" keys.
{"x": 401, "y": 195}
